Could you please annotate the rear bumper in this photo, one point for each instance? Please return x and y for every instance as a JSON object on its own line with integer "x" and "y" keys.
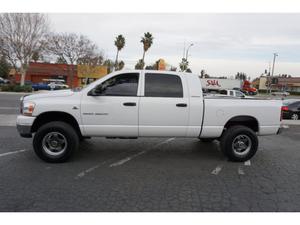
{"x": 280, "y": 130}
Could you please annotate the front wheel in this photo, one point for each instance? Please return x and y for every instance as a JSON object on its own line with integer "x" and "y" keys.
{"x": 239, "y": 143}
{"x": 55, "y": 142}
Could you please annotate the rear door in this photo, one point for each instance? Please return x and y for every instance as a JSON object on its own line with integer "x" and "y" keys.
{"x": 164, "y": 105}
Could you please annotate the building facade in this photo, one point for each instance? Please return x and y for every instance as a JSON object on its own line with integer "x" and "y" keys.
{"x": 278, "y": 83}
{"x": 73, "y": 75}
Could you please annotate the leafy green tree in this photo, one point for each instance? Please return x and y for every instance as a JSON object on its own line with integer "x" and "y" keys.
{"x": 202, "y": 73}
{"x": 147, "y": 41}
{"x": 110, "y": 65}
{"x": 4, "y": 67}
{"x": 241, "y": 76}
{"x": 119, "y": 43}
{"x": 183, "y": 65}
{"x": 121, "y": 65}
{"x": 139, "y": 65}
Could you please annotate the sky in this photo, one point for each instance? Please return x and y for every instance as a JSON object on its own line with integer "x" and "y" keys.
{"x": 223, "y": 44}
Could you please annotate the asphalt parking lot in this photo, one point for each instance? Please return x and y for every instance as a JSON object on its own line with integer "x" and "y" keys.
{"x": 155, "y": 174}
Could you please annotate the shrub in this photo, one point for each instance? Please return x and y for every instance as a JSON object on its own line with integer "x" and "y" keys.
{"x": 16, "y": 88}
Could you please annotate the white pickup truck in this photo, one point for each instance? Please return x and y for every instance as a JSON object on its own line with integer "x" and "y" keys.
{"x": 131, "y": 104}
{"x": 233, "y": 93}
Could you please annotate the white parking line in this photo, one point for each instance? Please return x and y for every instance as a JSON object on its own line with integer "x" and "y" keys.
{"x": 8, "y": 120}
{"x": 217, "y": 170}
{"x": 247, "y": 163}
{"x": 11, "y": 153}
{"x": 83, "y": 173}
{"x": 241, "y": 171}
{"x": 122, "y": 161}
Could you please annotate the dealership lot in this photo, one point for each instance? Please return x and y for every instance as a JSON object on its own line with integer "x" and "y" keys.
{"x": 155, "y": 174}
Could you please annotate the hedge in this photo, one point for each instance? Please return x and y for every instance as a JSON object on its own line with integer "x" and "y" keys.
{"x": 16, "y": 88}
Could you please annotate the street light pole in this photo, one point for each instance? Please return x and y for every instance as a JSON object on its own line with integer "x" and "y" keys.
{"x": 187, "y": 51}
{"x": 274, "y": 57}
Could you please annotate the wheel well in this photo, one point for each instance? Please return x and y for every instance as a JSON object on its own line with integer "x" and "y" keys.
{"x": 55, "y": 116}
{"x": 247, "y": 121}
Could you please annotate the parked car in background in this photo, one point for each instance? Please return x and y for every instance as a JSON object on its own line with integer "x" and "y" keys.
{"x": 58, "y": 85}
{"x": 40, "y": 86}
{"x": 234, "y": 93}
{"x": 50, "y": 84}
{"x": 281, "y": 93}
{"x": 4, "y": 81}
{"x": 291, "y": 109}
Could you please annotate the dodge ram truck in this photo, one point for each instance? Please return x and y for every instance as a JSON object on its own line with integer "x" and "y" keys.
{"x": 131, "y": 104}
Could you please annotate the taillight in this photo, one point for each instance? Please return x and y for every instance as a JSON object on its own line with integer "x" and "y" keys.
{"x": 283, "y": 108}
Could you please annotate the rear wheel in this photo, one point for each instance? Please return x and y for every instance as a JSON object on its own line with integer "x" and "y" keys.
{"x": 239, "y": 143}
{"x": 55, "y": 142}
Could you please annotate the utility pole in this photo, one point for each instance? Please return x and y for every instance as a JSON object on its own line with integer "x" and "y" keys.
{"x": 274, "y": 57}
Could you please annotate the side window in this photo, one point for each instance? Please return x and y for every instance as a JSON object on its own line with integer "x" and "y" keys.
{"x": 121, "y": 85}
{"x": 231, "y": 93}
{"x": 163, "y": 85}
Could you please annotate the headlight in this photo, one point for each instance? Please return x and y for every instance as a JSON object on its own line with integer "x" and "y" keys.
{"x": 27, "y": 108}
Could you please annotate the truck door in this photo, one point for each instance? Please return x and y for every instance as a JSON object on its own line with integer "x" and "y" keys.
{"x": 164, "y": 105}
{"x": 114, "y": 112}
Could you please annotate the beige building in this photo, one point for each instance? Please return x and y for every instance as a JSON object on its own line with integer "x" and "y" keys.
{"x": 260, "y": 83}
{"x": 278, "y": 83}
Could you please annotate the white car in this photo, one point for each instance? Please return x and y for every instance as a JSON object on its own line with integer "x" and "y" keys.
{"x": 131, "y": 104}
{"x": 281, "y": 93}
{"x": 57, "y": 86}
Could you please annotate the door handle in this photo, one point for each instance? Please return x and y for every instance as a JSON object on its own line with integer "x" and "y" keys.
{"x": 129, "y": 103}
{"x": 181, "y": 105}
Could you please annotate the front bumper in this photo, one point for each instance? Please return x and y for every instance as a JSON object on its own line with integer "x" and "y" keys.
{"x": 24, "y": 131}
{"x": 24, "y": 124}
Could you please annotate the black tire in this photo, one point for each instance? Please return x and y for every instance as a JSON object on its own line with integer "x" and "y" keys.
{"x": 206, "y": 140}
{"x": 231, "y": 136}
{"x": 65, "y": 132}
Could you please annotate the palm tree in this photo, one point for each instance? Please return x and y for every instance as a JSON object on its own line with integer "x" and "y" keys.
{"x": 119, "y": 43}
{"x": 147, "y": 41}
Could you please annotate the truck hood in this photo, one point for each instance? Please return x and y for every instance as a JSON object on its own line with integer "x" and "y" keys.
{"x": 49, "y": 94}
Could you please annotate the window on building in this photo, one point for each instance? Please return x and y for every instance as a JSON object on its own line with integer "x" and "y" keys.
{"x": 121, "y": 85}
{"x": 163, "y": 85}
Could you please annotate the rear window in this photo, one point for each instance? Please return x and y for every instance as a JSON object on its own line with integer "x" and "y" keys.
{"x": 163, "y": 85}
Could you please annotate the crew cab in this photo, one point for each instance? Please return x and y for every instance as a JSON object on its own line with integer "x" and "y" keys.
{"x": 141, "y": 103}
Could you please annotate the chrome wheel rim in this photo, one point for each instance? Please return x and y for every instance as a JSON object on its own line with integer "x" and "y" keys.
{"x": 241, "y": 145}
{"x": 54, "y": 143}
{"x": 294, "y": 117}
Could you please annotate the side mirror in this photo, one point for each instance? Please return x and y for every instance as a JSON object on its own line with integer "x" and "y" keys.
{"x": 95, "y": 91}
